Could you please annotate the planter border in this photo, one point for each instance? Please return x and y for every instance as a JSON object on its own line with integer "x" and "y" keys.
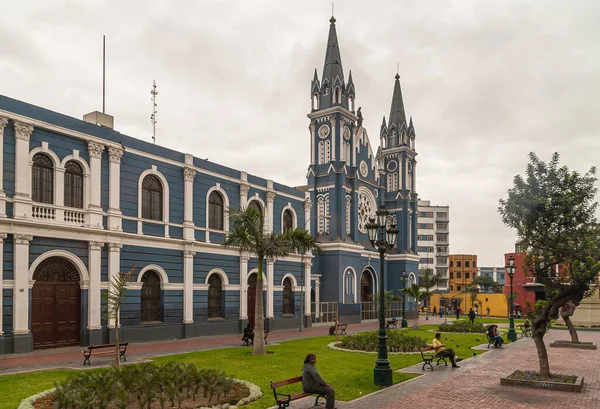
{"x": 548, "y": 385}
{"x": 569, "y": 344}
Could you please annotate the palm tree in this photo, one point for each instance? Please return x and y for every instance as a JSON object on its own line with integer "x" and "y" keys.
{"x": 248, "y": 234}
{"x": 414, "y": 290}
{"x": 429, "y": 280}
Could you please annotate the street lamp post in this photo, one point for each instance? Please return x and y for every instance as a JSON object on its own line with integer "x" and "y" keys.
{"x": 404, "y": 278}
{"x": 510, "y": 270}
{"x": 382, "y": 239}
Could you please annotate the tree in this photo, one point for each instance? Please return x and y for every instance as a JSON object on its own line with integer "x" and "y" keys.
{"x": 248, "y": 234}
{"x": 485, "y": 282}
{"x": 429, "y": 280}
{"x": 114, "y": 298}
{"x": 553, "y": 212}
{"x": 388, "y": 298}
{"x": 510, "y": 301}
{"x": 414, "y": 290}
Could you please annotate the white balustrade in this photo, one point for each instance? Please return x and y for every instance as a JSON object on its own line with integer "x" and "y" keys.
{"x": 43, "y": 212}
{"x": 74, "y": 217}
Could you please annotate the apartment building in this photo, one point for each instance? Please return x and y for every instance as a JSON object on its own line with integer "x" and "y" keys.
{"x": 462, "y": 271}
{"x": 497, "y": 274}
{"x": 433, "y": 241}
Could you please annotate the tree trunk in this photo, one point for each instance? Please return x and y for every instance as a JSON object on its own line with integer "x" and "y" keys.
{"x": 542, "y": 354}
{"x": 259, "y": 315}
{"x": 572, "y": 331}
{"x": 117, "y": 357}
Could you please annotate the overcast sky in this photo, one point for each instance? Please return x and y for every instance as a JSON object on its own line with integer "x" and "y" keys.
{"x": 486, "y": 82}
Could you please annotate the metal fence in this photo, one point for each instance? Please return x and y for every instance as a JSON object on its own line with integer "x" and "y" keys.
{"x": 324, "y": 312}
{"x": 370, "y": 310}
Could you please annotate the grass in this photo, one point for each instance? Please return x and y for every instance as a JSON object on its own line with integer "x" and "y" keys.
{"x": 493, "y": 320}
{"x": 350, "y": 373}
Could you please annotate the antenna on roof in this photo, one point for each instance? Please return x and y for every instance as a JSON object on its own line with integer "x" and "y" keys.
{"x": 154, "y": 93}
{"x": 332, "y": 3}
{"x": 397, "y": 68}
{"x": 103, "y": 73}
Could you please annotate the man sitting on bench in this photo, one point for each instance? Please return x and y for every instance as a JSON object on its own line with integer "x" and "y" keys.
{"x": 442, "y": 351}
{"x": 313, "y": 383}
{"x": 249, "y": 333}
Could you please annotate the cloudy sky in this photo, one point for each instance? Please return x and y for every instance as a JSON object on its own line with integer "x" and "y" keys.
{"x": 486, "y": 82}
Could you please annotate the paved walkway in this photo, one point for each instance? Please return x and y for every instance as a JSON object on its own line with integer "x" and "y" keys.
{"x": 475, "y": 385}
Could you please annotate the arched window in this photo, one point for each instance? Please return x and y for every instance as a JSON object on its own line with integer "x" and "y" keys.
{"x": 215, "y": 296}
{"x": 256, "y": 205}
{"x": 288, "y": 302}
{"x": 215, "y": 211}
{"x": 73, "y": 185}
{"x": 150, "y": 309}
{"x": 42, "y": 179}
{"x": 288, "y": 220}
{"x": 152, "y": 198}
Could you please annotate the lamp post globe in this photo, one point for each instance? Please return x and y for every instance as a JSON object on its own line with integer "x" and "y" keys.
{"x": 382, "y": 239}
{"x": 510, "y": 270}
{"x": 404, "y": 278}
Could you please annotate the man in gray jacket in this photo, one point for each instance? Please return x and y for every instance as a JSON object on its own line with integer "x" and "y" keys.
{"x": 313, "y": 383}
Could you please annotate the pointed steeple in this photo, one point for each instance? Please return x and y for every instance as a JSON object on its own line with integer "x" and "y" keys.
{"x": 397, "y": 115}
{"x": 350, "y": 91}
{"x": 315, "y": 87}
{"x": 333, "y": 60}
{"x": 383, "y": 130}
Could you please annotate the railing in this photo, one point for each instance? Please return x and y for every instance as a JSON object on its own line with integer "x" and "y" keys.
{"x": 43, "y": 212}
{"x": 370, "y": 310}
{"x": 324, "y": 312}
{"x": 74, "y": 217}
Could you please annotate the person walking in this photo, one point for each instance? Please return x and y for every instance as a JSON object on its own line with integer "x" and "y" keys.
{"x": 457, "y": 312}
{"x": 313, "y": 383}
{"x": 472, "y": 316}
{"x": 487, "y": 312}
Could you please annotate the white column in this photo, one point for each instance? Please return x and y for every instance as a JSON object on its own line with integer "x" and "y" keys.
{"x": 21, "y": 284}
{"x": 270, "y": 200}
{"x": 2, "y": 237}
{"x": 317, "y": 297}
{"x": 307, "y": 207}
{"x": 243, "y": 287}
{"x": 333, "y": 137}
{"x": 3, "y": 122}
{"x": 188, "y": 289}
{"x": 188, "y": 204}
{"x": 307, "y": 275}
{"x": 95, "y": 208}
{"x": 244, "y": 189}
{"x": 22, "y": 198}
{"x": 114, "y": 196}
{"x": 59, "y": 194}
{"x": 312, "y": 143}
{"x": 270, "y": 269}
{"x": 94, "y": 294}
{"x": 114, "y": 268}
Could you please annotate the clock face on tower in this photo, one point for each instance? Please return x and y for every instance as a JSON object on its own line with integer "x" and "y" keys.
{"x": 323, "y": 131}
{"x": 346, "y": 133}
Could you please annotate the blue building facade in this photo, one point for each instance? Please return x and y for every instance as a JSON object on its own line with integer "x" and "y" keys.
{"x": 80, "y": 203}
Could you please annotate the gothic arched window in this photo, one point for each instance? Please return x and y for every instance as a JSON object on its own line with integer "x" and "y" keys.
{"x": 215, "y": 211}
{"x": 152, "y": 198}
{"x": 288, "y": 220}
{"x": 42, "y": 179}
{"x": 215, "y": 296}
{"x": 256, "y": 205}
{"x": 288, "y": 304}
{"x": 150, "y": 309}
{"x": 73, "y": 185}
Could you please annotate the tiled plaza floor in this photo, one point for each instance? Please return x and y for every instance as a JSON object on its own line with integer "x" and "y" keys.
{"x": 475, "y": 384}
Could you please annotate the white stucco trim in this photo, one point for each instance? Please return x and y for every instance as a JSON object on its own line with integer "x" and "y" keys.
{"x": 255, "y": 271}
{"x": 219, "y": 189}
{"x": 164, "y": 278}
{"x": 294, "y": 216}
{"x": 154, "y": 171}
{"x": 369, "y": 270}
{"x": 219, "y": 272}
{"x": 86, "y": 176}
{"x": 295, "y": 286}
{"x": 58, "y": 173}
{"x": 352, "y": 272}
{"x": 80, "y": 265}
{"x": 263, "y": 205}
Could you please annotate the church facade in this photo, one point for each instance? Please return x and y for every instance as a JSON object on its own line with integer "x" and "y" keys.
{"x": 80, "y": 203}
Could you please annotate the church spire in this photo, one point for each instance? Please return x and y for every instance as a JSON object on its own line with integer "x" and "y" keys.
{"x": 397, "y": 115}
{"x": 332, "y": 69}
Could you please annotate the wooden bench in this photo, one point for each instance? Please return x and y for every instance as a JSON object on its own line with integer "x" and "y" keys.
{"x": 391, "y": 324}
{"x": 525, "y": 332}
{"x": 428, "y": 359}
{"x": 104, "y": 349}
{"x": 248, "y": 340}
{"x": 342, "y": 329}
{"x": 283, "y": 399}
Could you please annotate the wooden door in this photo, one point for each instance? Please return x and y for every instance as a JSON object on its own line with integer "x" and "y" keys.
{"x": 366, "y": 287}
{"x": 251, "y": 299}
{"x": 55, "y": 314}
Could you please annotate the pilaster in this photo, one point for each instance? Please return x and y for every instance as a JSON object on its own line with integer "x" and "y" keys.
{"x": 114, "y": 268}
{"x": 3, "y": 123}
{"x": 270, "y": 269}
{"x": 2, "y": 237}
{"x": 306, "y": 280}
{"x": 312, "y": 143}
{"x": 270, "y": 199}
{"x": 94, "y": 293}
{"x": 22, "y": 198}
{"x": 114, "y": 195}
{"x": 244, "y": 287}
{"x": 188, "y": 291}
{"x": 95, "y": 208}
{"x": 307, "y": 209}
{"x": 333, "y": 137}
{"x": 188, "y": 208}
{"x": 21, "y": 284}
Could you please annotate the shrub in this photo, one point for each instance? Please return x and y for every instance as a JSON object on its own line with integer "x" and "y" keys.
{"x": 397, "y": 341}
{"x": 462, "y": 326}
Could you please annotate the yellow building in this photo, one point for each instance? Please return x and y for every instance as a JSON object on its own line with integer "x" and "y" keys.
{"x": 462, "y": 271}
{"x": 496, "y": 302}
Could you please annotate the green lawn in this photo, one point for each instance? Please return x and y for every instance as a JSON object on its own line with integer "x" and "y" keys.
{"x": 493, "y": 320}
{"x": 350, "y": 373}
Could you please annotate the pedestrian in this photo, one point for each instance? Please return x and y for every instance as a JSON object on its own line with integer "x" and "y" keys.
{"x": 472, "y": 316}
{"x": 434, "y": 310}
{"x": 475, "y": 309}
{"x": 313, "y": 383}
{"x": 457, "y": 312}
{"x": 487, "y": 311}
